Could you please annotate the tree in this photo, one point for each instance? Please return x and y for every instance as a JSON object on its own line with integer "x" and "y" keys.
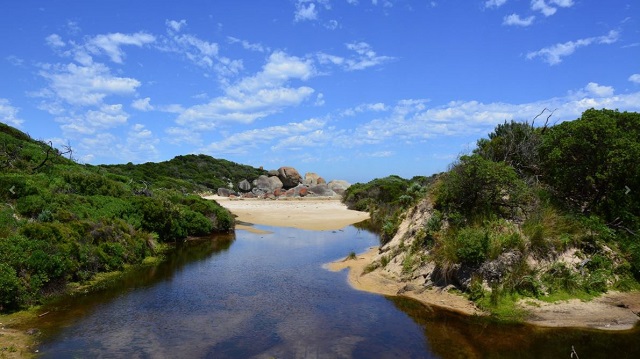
{"x": 477, "y": 186}
{"x": 590, "y": 163}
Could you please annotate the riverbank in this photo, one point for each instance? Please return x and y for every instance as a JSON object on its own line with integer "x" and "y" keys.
{"x": 315, "y": 213}
{"x": 611, "y": 311}
{"x": 375, "y": 282}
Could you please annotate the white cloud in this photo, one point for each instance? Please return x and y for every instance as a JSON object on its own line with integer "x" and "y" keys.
{"x": 494, "y": 3}
{"x": 176, "y": 25}
{"x": 305, "y": 12}
{"x": 93, "y": 121}
{"x": 553, "y": 55}
{"x": 635, "y": 78}
{"x": 547, "y": 8}
{"x": 55, "y": 41}
{"x": 279, "y": 69}
{"x": 515, "y": 20}
{"x": 254, "y": 97}
{"x": 9, "y": 114}
{"x": 203, "y": 53}
{"x": 366, "y": 107}
{"x": 245, "y": 109}
{"x": 364, "y": 57}
{"x": 412, "y": 120}
{"x": 247, "y": 45}
{"x": 598, "y": 90}
{"x": 182, "y": 135}
{"x": 85, "y": 85}
{"x": 110, "y": 44}
{"x": 143, "y": 104}
{"x": 332, "y": 25}
{"x": 292, "y": 135}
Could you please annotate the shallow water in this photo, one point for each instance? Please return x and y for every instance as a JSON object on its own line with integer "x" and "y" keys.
{"x": 267, "y": 295}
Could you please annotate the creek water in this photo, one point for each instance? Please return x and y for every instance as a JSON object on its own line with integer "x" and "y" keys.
{"x": 251, "y": 295}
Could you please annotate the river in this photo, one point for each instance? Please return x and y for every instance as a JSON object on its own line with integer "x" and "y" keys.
{"x": 250, "y": 295}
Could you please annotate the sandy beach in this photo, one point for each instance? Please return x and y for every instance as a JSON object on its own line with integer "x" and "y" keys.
{"x": 316, "y": 214}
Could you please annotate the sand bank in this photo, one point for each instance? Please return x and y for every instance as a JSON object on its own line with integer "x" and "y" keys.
{"x": 375, "y": 282}
{"x": 611, "y": 311}
{"x": 308, "y": 213}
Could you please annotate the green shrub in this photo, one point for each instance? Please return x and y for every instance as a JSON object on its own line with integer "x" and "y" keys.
{"x": 477, "y": 187}
{"x": 9, "y": 287}
{"x": 560, "y": 278}
{"x": 472, "y": 245}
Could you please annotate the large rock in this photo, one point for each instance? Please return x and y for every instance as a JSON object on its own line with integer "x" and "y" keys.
{"x": 225, "y": 192}
{"x": 289, "y": 177}
{"x": 321, "y": 190}
{"x": 339, "y": 186}
{"x": 311, "y": 179}
{"x": 244, "y": 185}
{"x": 268, "y": 184}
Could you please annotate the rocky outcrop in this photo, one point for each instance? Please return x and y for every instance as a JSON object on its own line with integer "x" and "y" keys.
{"x": 339, "y": 186}
{"x": 244, "y": 186}
{"x": 311, "y": 179}
{"x": 287, "y": 182}
{"x": 289, "y": 177}
{"x": 225, "y": 192}
{"x": 322, "y": 190}
{"x": 266, "y": 184}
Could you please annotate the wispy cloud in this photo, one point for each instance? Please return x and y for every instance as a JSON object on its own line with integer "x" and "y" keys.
{"x": 363, "y": 57}
{"x": 292, "y": 135}
{"x": 143, "y": 104}
{"x": 516, "y": 20}
{"x": 254, "y": 97}
{"x": 248, "y": 45}
{"x": 553, "y": 55}
{"x": 494, "y": 3}
{"x": 200, "y": 52}
{"x": 305, "y": 11}
{"x": 83, "y": 85}
{"x": 635, "y": 78}
{"x": 111, "y": 44}
{"x": 411, "y": 120}
{"x": 9, "y": 114}
{"x": 549, "y": 7}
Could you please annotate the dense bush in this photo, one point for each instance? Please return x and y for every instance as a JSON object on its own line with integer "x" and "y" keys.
{"x": 66, "y": 222}
{"x": 385, "y": 199}
{"x": 476, "y": 187}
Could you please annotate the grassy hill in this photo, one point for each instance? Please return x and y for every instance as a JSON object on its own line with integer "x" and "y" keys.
{"x": 191, "y": 173}
{"x": 546, "y": 212}
{"x": 63, "y": 222}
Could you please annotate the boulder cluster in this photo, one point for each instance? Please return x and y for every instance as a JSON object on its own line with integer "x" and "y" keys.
{"x": 286, "y": 182}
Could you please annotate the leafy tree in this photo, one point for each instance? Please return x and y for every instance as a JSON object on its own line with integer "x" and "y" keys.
{"x": 514, "y": 143}
{"x": 476, "y": 186}
{"x": 591, "y": 161}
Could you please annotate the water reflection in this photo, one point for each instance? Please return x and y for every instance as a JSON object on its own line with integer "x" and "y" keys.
{"x": 451, "y": 335}
{"x": 263, "y": 295}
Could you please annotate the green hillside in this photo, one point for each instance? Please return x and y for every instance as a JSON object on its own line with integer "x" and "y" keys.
{"x": 191, "y": 173}
{"x": 534, "y": 211}
{"x": 63, "y": 222}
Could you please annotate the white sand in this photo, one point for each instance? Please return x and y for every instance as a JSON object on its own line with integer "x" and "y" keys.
{"x": 308, "y": 213}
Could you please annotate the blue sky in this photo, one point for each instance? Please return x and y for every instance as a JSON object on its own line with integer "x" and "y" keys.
{"x": 349, "y": 89}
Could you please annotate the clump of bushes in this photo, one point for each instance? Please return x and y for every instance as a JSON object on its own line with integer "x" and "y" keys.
{"x": 66, "y": 222}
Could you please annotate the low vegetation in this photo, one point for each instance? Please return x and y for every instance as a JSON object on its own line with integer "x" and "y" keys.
{"x": 62, "y": 222}
{"x": 534, "y": 211}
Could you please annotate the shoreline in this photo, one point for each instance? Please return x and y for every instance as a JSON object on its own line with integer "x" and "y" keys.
{"x": 310, "y": 213}
{"x": 612, "y": 311}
